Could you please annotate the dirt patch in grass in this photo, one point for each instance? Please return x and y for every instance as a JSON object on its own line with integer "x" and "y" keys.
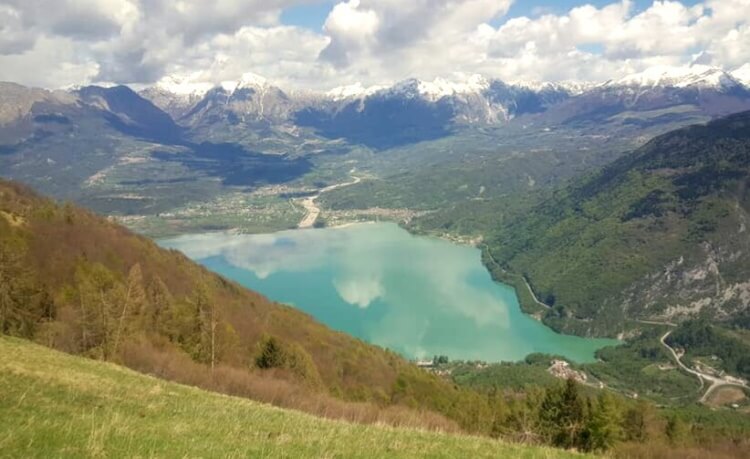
{"x": 726, "y": 395}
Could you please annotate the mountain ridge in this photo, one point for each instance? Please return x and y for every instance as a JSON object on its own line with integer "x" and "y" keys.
{"x": 694, "y": 74}
{"x": 656, "y": 235}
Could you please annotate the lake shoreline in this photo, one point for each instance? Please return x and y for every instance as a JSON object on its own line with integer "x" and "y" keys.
{"x": 349, "y": 301}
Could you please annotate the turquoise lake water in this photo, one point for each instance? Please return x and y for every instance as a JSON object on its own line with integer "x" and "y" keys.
{"x": 418, "y": 296}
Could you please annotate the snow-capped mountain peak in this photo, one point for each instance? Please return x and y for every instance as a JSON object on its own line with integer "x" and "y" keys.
{"x": 439, "y": 87}
{"x": 678, "y": 77}
{"x": 351, "y": 91}
{"x": 183, "y": 86}
{"x": 571, "y": 87}
{"x": 248, "y": 80}
{"x": 742, "y": 74}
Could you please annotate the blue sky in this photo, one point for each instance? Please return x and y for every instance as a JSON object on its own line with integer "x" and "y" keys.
{"x": 533, "y": 7}
{"x": 312, "y": 16}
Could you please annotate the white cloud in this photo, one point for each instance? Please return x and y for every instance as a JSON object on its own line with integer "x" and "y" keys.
{"x": 48, "y": 63}
{"x": 360, "y": 290}
{"x": 373, "y": 37}
{"x": 130, "y": 41}
{"x": 56, "y": 42}
{"x": 667, "y": 33}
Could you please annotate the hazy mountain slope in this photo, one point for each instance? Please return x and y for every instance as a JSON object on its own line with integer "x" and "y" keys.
{"x": 16, "y": 108}
{"x": 175, "y": 96}
{"x": 131, "y": 114}
{"x": 79, "y": 407}
{"x": 59, "y": 143}
{"x": 657, "y": 96}
{"x": 28, "y": 112}
{"x": 82, "y": 284}
{"x": 660, "y": 234}
{"x": 114, "y": 151}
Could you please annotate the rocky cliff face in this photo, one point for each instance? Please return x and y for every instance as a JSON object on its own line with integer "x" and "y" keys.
{"x": 713, "y": 281}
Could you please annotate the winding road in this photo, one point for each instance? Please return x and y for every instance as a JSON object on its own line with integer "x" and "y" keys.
{"x": 716, "y": 382}
{"x": 525, "y": 281}
{"x": 313, "y": 211}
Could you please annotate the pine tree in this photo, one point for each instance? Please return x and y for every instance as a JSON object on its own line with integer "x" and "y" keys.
{"x": 96, "y": 299}
{"x": 16, "y": 294}
{"x": 135, "y": 297}
{"x": 155, "y": 311}
{"x": 207, "y": 321}
{"x": 271, "y": 354}
{"x": 677, "y": 429}
{"x": 562, "y": 416}
{"x": 605, "y": 424}
{"x": 637, "y": 420}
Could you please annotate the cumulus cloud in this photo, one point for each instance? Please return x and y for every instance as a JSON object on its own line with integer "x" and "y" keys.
{"x": 666, "y": 33}
{"x": 429, "y": 39}
{"x": 82, "y": 19}
{"x": 130, "y": 41}
{"x": 403, "y": 35}
{"x": 367, "y": 41}
{"x": 352, "y": 28}
{"x": 14, "y": 37}
{"x": 360, "y": 291}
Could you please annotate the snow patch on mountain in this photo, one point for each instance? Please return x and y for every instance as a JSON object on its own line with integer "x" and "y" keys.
{"x": 742, "y": 74}
{"x": 440, "y": 87}
{"x": 437, "y": 89}
{"x": 183, "y": 86}
{"x": 248, "y": 80}
{"x": 573, "y": 88}
{"x": 352, "y": 91}
{"x": 701, "y": 76}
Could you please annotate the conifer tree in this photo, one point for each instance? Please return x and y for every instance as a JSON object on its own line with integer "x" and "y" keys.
{"x": 563, "y": 416}
{"x": 271, "y": 354}
{"x": 17, "y": 294}
{"x": 677, "y": 429}
{"x": 153, "y": 316}
{"x": 636, "y": 422}
{"x": 135, "y": 297}
{"x": 605, "y": 424}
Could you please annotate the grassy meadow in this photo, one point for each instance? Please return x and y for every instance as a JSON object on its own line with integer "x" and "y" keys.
{"x": 57, "y": 405}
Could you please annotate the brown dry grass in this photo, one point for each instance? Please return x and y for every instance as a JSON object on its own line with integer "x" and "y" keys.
{"x": 725, "y": 395}
{"x": 47, "y": 409}
{"x": 726, "y": 449}
{"x": 272, "y": 387}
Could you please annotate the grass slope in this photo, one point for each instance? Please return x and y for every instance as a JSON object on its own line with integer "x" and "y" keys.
{"x": 57, "y": 405}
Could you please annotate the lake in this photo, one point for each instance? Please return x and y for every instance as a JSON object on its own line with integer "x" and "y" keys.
{"x": 418, "y": 296}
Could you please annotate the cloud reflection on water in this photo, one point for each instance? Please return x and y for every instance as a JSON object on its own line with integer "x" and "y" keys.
{"x": 362, "y": 257}
{"x": 419, "y": 296}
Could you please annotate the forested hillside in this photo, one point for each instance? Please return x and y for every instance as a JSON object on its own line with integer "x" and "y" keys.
{"x": 661, "y": 234}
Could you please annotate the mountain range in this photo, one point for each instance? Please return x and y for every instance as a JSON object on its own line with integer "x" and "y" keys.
{"x": 378, "y": 117}
{"x": 171, "y": 144}
{"x": 413, "y": 110}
